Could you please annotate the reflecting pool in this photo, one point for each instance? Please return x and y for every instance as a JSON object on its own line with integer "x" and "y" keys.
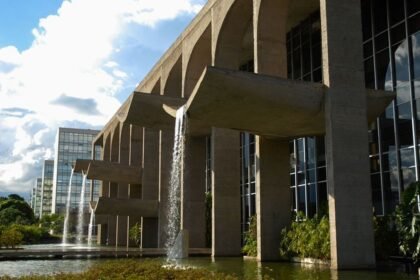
{"x": 244, "y": 269}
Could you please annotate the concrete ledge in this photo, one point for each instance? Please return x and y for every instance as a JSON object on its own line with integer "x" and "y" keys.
{"x": 126, "y": 207}
{"x": 146, "y": 110}
{"x": 265, "y": 105}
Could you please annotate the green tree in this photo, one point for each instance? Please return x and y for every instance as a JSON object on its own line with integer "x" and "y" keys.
{"x": 135, "y": 233}
{"x": 16, "y": 197}
{"x": 250, "y": 247}
{"x": 16, "y": 211}
{"x": 10, "y": 237}
{"x": 52, "y": 222}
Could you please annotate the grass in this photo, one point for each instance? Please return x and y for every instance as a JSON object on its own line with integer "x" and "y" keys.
{"x": 131, "y": 270}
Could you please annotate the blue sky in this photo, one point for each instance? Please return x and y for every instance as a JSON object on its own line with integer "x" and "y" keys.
{"x": 58, "y": 57}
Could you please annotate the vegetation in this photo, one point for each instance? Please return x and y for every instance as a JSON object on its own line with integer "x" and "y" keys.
{"x": 386, "y": 237}
{"x": 135, "y": 233}
{"x": 250, "y": 247}
{"x": 52, "y": 223}
{"x": 15, "y": 210}
{"x": 133, "y": 269}
{"x": 306, "y": 238}
{"x": 407, "y": 222}
{"x": 10, "y": 238}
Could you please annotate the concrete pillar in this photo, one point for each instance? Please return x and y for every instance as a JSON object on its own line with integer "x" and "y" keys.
{"x": 102, "y": 233}
{"x": 226, "y": 208}
{"x": 150, "y": 187}
{"x": 193, "y": 212}
{"x": 350, "y": 204}
{"x": 273, "y": 201}
{"x": 165, "y": 152}
{"x": 136, "y": 158}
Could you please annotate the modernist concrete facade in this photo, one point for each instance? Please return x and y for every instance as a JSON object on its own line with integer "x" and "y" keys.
{"x": 280, "y": 102}
{"x": 36, "y": 197}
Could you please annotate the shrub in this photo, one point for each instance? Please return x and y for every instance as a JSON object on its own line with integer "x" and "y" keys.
{"x": 307, "y": 237}
{"x": 31, "y": 234}
{"x": 386, "y": 237}
{"x": 135, "y": 233}
{"x": 407, "y": 223}
{"x": 250, "y": 247}
{"x": 10, "y": 237}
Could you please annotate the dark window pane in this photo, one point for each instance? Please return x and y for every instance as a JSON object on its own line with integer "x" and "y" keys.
{"x": 413, "y": 6}
{"x": 405, "y": 131}
{"x": 380, "y": 15}
{"x": 366, "y": 20}
{"x": 396, "y": 11}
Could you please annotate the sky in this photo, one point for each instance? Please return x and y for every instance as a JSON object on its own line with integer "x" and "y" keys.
{"x": 72, "y": 63}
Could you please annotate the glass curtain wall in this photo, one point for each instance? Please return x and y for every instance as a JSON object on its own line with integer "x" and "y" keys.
{"x": 308, "y": 183}
{"x": 391, "y": 44}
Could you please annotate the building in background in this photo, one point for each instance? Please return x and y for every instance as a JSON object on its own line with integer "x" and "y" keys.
{"x": 36, "y": 197}
{"x": 71, "y": 144}
{"x": 47, "y": 186}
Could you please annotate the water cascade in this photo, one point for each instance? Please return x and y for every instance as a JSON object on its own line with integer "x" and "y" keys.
{"x": 174, "y": 207}
{"x": 91, "y": 224}
{"x": 68, "y": 205}
{"x": 80, "y": 216}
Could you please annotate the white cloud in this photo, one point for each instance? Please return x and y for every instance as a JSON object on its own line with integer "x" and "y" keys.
{"x": 71, "y": 56}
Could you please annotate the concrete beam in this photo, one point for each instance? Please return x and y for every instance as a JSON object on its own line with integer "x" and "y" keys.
{"x": 246, "y": 101}
{"x": 126, "y": 207}
{"x": 146, "y": 110}
{"x": 114, "y": 172}
{"x": 81, "y": 165}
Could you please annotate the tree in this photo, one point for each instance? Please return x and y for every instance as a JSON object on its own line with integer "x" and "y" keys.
{"x": 17, "y": 211}
{"x": 135, "y": 233}
{"x": 53, "y": 222}
{"x": 16, "y": 197}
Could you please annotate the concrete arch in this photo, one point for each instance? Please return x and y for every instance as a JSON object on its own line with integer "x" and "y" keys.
{"x": 115, "y": 144}
{"x": 200, "y": 58}
{"x": 124, "y": 156}
{"x": 270, "y": 29}
{"x": 156, "y": 88}
{"x": 228, "y": 49}
{"x": 172, "y": 86}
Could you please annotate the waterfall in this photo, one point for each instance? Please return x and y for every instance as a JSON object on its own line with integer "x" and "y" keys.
{"x": 91, "y": 224}
{"x": 68, "y": 205}
{"x": 80, "y": 216}
{"x": 173, "y": 214}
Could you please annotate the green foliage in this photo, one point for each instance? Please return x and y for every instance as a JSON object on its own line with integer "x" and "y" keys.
{"x": 208, "y": 203}
{"x": 407, "y": 221}
{"x": 52, "y": 222}
{"x": 135, "y": 233}
{"x": 134, "y": 269}
{"x": 250, "y": 247}
{"x": 10, "y": 237}
{"x": 31, "y": 233}
{"x": 15, "y": 211}
{"x": 306, "y": 238}
{"x": 16, "y": 197}
{"x": 386, "y": 237}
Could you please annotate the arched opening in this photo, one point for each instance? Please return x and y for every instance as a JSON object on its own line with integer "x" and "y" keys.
{"x": 173, "y": 85}
{"x": 199, "y": 59}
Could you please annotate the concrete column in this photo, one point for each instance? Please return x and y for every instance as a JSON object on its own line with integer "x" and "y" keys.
{"x": 136, "y": 158}
{"x": 273, "y": 201}
{"x": 150, "y": 187}
{"x": 273, "y": 167}
{"x": 193, "y": 212}
{"x": 165, "y": 152}
{"x": 102, "y": 233}
{"x": 226, "y": 208}
{"x": 123, "y": 188}
{"x": 350, "y": 204}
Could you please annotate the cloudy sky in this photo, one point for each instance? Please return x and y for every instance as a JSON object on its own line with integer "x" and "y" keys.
{"x": 71, "y": 63}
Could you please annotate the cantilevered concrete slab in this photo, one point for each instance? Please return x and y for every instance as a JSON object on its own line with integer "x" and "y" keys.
{"x": 109, "y": 171}
{"x": 126, "y": 207}
{"x": 146, "y": 110}
{"x": 265, "y": 105}
{"x": 81, "y": 165}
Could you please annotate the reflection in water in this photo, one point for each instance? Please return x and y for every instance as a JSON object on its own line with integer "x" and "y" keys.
{"x": 244, "y": 269}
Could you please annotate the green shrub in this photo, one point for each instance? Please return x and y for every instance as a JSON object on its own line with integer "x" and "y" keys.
{"x": 31, "y": 233}
{"x": 135, "y": 233}
{"x": 386, "y": 237}
{"x": 250, "y": 247}
{"x": 10, "y": 237}
{"x": 407, "y": 221}
{"x": 306, "y": 238}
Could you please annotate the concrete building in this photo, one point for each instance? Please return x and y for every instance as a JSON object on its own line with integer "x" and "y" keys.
{"x": 311, "y": 98}
{"x": 36, "y": 197}
{"x": 47, "y": 187}
{"x": 71, "y": 144}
